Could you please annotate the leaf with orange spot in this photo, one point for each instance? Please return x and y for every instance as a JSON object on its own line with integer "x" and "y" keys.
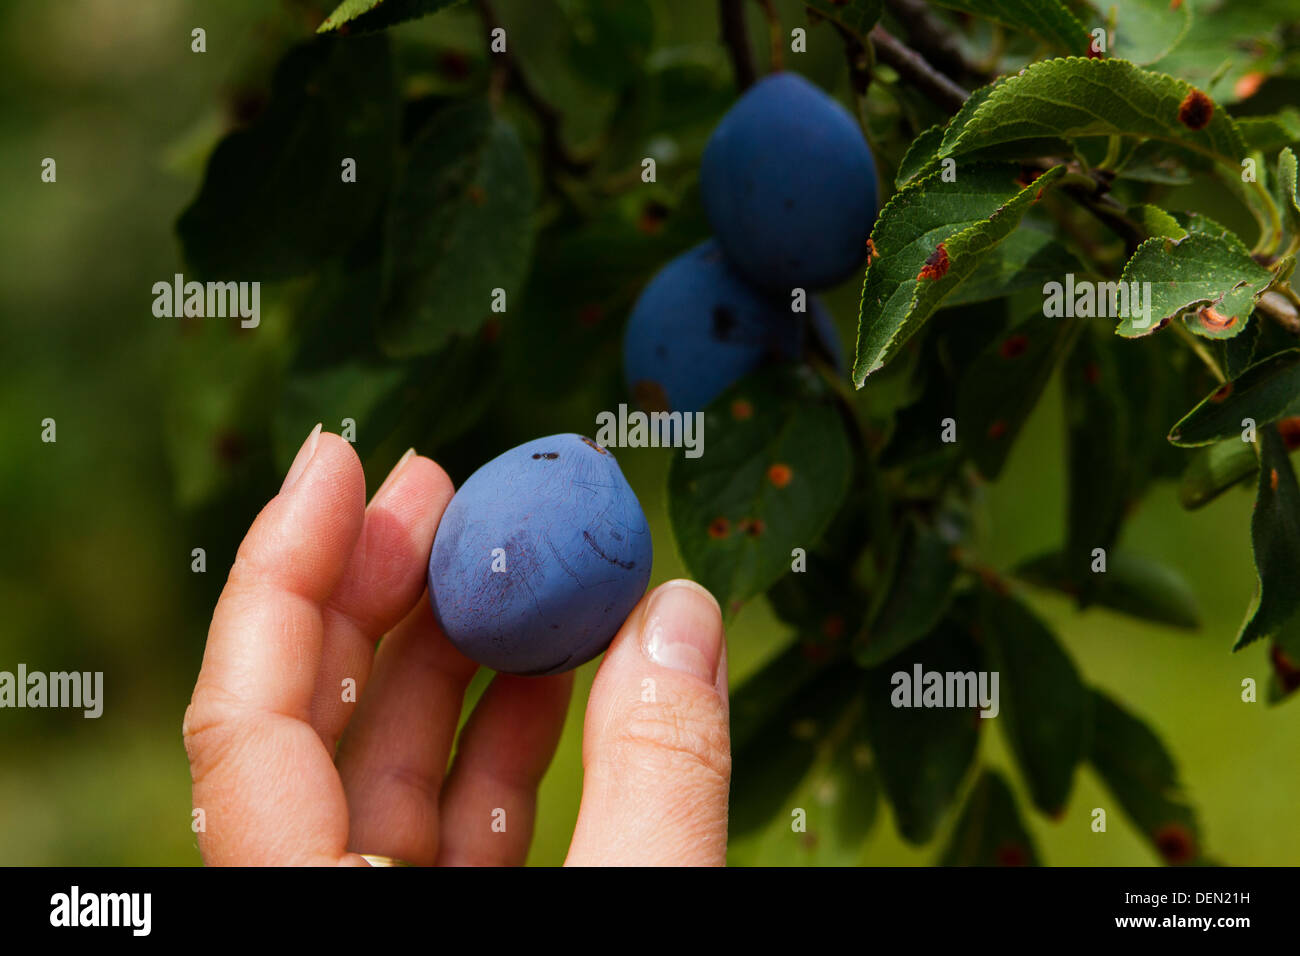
{"x": 793, "y": 423}
{"x": 1138, "y": 771}
{"x": 1267, "y": 391}
{"x": 989, "y": 831}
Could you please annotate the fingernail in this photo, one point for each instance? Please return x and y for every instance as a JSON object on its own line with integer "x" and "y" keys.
{"x": 301, "y": 460}
{"x": 682, "y": 629}
{"x": 392, "y": 475}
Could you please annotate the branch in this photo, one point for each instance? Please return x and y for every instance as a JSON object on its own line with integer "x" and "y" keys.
{"x": 555, "y": 155}
{"x": 931, "y": 37}
{"x": 914, "y": 68}
{"x": 735, "y": 36}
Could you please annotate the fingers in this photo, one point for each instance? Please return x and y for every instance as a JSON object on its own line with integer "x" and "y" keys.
{"x": 489, "y": 800}
{"x": 656, "y": 747}
{"x": 381, "y": 583}
{"x": 262, "y": 778}
{"x": 394, "y": 753}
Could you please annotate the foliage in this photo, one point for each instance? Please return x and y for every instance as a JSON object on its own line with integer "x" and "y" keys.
{"x": 516, "y": 176}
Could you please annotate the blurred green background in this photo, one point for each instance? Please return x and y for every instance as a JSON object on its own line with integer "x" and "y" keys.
{"x": 95, "y": 573}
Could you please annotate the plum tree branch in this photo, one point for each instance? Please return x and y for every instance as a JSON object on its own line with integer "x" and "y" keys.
{"x": 930, "y": 36}
{"x": 555, "y": 155}
{"x": 735, "y": 36}
{"x": 917, "y": 71}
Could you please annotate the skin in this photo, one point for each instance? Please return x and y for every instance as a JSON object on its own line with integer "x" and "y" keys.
{"x": 287, "y": 772}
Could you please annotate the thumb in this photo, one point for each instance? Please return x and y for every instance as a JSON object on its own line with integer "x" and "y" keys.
{"x": 656, "y": 744}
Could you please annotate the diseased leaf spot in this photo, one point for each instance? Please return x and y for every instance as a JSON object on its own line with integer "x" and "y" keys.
{"x": 719, "y": 528}
{"x": 1272, "y": 478}
{"x": 1011, "y": 854}
{"x": 1175, "y": 843}
{"x": 1248, "y": 85}
{"x": 1289, "y": 429}
{"x": 779, "y": 475}
{"x": 1212, "y": 320}
{"x": 936, "y": 265}
{"x": 1222, "y": 392}
{"x": 752, "y": 526}
{"x": 1014, "y": 346}
{"x": 650, "y": 395}
{"x": 1195, "y": 110}
{"x": 872, "y": 254}
{"x": 997, "y": 429}
{"x": 741, "y": 410}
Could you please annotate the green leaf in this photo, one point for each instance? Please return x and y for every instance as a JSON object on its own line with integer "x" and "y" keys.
{"x": 1048, "y": 20}
{"x": 930, "y": 237}
{"x": 920, "y": 155}
{"x": 1215, "y": 469}
{"x": 1002, "y": 386}
{"x": 460, "y": 227}
{"x": 922, "y": 753}
{"x": 1275, "y": 541}
{"x": 1076, "y": 97}
{"x": 1267, "y": 391}
{"x": 769, "y": 481}
{"x": 1286, "y": 181}
{"x": 1137, "y": 586}
{"x": 1146, "y": 30}
{"x": 1139, "y": 773}
{"x": 915, "y": 597}
{"x": 856, "y": 16}
{"x": 1043, "y": 703}
{"x": 1227, "y": 43}
{"x": 788, "y": 711}
{"x": 1212, "y": 279}
{"x": 1027, "y": 259}
{"x": 273, "y": 203}
{"x": 362, "y": 16}
{"x": 1268, "y": 133}
{"x": 990, "y": 831}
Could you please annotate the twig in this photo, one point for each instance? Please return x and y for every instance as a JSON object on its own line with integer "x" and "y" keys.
{"x": 916, "y": 70}
{"x": 735, "y": 36}
{"x": 775, "y": 37}
{"x": 929, "y": 35}
{"x": 555, "y": 155}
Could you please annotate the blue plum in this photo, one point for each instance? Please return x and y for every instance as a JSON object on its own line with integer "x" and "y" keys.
{"x": 698, "y": 327}
{"x": 789, "y": 186}
{"x": 540, "y": 557}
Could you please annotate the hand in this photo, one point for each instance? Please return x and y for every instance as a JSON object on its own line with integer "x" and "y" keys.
{"x": 288, "y": 771}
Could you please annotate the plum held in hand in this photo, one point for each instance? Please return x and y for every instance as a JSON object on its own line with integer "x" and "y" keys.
{"x": 540, "y": 557}
{"x": 698, "y": 327}
{"x": 789, "y": 186}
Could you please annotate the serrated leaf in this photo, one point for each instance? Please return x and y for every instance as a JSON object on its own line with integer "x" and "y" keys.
{"x": 1044, "y": 705}
{"x": 1286, "y": 182}
{"x": 1137, "y": 586}
{"x": 920, "y": 154}
{"x": 1275, "y": 542}
{"x": 915, "y": 597}
{"x": 1048, "y": 20}
{"x": 990, "y": 831}
{"x": 1027, "y": 259}
{"x": 1269, "y": 133}
{"x": 1001, "y": 387}
{"x": 1213, "y": 279}
{"x": 1267, "y": 391}
{"x": 769, "y": 481}
{"x": 922, "y": 753}
{"x": 460, "y": 226}
{"x": 930, "y": 237}
{"x": 363, "y": 16}
{"x": 1146, "y": 30}
{"x": 1076, "y": 97}
{"x": 1139, "y": 773}
{"x": 856, "y": 16}
{"x": 273, "y": 203}
{"x": 1214, "y": 470}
